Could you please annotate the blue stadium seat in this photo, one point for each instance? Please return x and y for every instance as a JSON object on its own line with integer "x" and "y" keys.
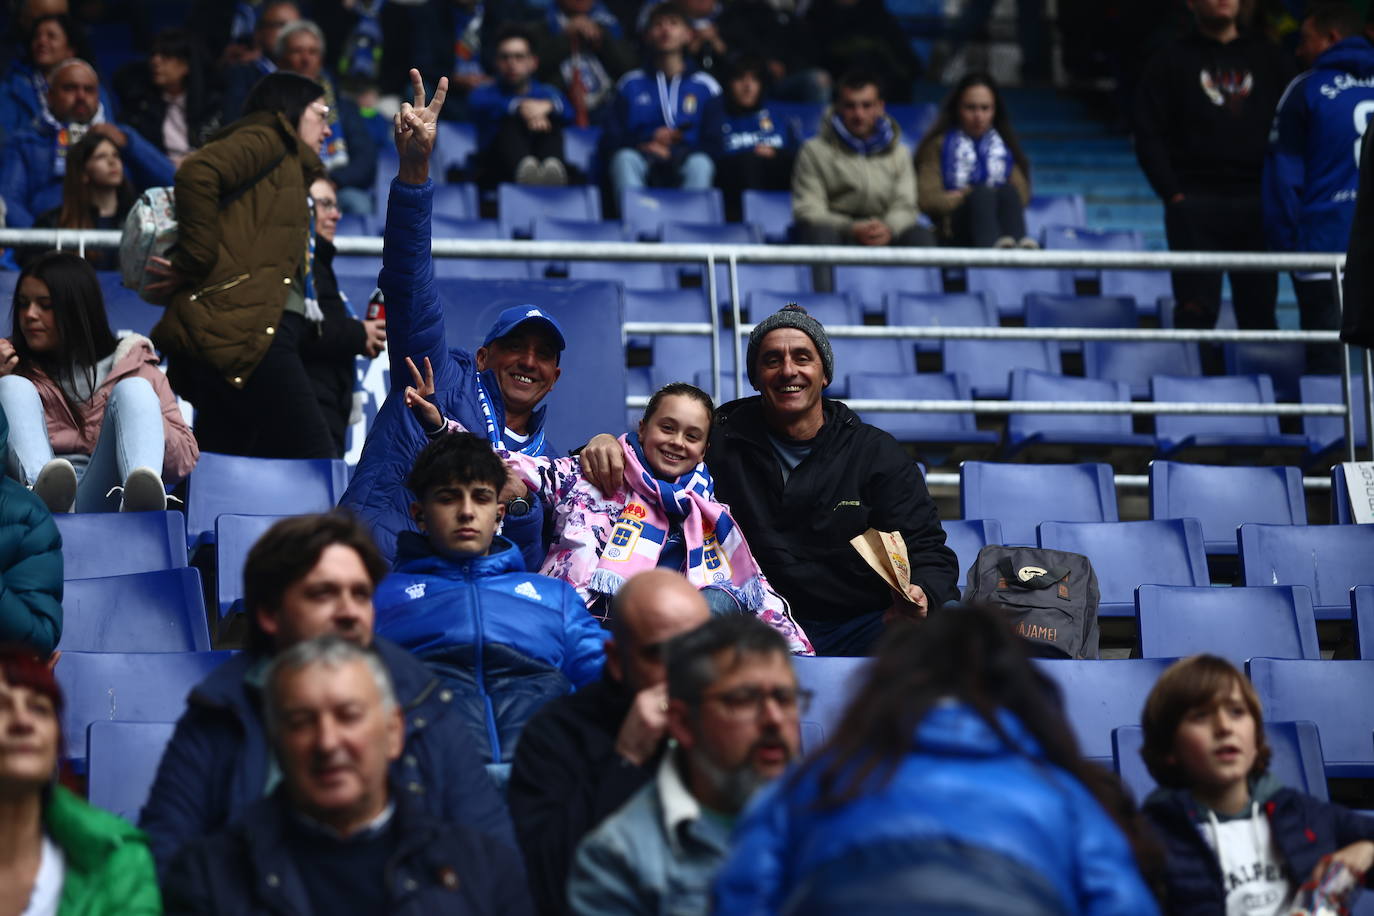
{"x": 123, "y": 762}
{"x": 633, "y": 274}
{"x": 872, "y": 354}
{"x": 579, "y": 150}
{"x": 1049, "y": 437}
{"x": 1333, "y": 694}
{"x": 805, "y": 117}
{"x": 967, "y": 536}
{"x": 833, "y": 680}
{"x": 750, "y": 277}
{"x": 1101, "y": 695}
{"x": 475, "y": 268}
{"x": 10, "y": 278}
{"x": 235, "y": 535}
{"x": 1328, "y": 559}
{"x": 1021, "y": 496}
{"x": 387, "y": 164}
{"x": 938, "y": 436}
{"x": 1136, "y": 361}
{"x": 1297, "y": 760}
{"x": 96, "y": 544}
{"x": 675, "y": 305}
{"x": 754, "y": 278}
{"x": 824, "y": 307}
{"x": 1008, "y": 287}
{"x": 127, "y": 687}
{"x": 1362, "y": 615}
{"x": 639, "y": 382}
{"x": 1342, "y": 512}
{"x": 232, "y": 484}
{"x": 678, "y": 357}
{"x": 519, "y": 205}
{"x": 456, "y": 202}
{"x": 873, "y": 285}
{"x": 125, "y": 310}
{"x": 358, "y": 265}
{"x": 1127, "y": 554}
{"x": 454, "y": 147}
{"x": 771, "y": 211}
{"x": 354, "y": 224}
{"x": 710, "y": 233}
{"x": 1282, "y": 362}
{"x": 1236, "y": 623}
{"x": 1054, "y": 210}
{"x": 940, "y": 310}
{"x": 1224, "y": 497}
{"x": 988, "y": 363}
{"x": 158, "y": 611}
{"x": 1045, "y": 311}
{"x": 1215, "y": 438}
{"x": 1326, "y": 435}
{"x": 1144, "y": 286}
{"x": 645, "y": 210}
{"x": 552, "y": 229}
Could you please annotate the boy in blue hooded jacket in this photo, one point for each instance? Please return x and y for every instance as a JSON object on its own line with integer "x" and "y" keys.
{"x": 506, "y": 641}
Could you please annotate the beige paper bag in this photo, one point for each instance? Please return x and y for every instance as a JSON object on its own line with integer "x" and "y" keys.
{"x": 885, "y": 551}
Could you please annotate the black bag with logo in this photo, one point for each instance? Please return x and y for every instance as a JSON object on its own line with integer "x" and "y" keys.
{"x": 1051, "y": 596}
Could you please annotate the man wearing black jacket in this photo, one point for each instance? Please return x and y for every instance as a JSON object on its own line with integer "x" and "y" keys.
{"x": 803, "y": 475}
{"x": 1203, "y": 113}
{"x": 329, "y": 356}
{"x": 583, "y": 755}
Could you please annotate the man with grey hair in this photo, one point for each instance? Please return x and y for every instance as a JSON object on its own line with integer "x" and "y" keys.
{"x": 336, "y": 837}
{"x": 733, "y": 713}
{"x": 34, "y": 160}
{"x": 803, "y": 475}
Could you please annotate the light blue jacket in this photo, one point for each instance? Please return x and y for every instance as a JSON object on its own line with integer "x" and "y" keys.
{"x": 961, "y": 786}
{"x": 657, "y": 854}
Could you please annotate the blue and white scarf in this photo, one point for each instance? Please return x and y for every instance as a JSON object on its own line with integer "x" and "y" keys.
{"x": 65, "y": 136}
{"x": 874, "y": 143}
{"x": 495, "y": 435}
{"x": 965, "y": 161}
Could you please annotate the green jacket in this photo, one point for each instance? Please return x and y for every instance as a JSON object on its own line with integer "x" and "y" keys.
{"x": 109, "y": 867}
{"x": 242, "y": 258}
{"x": 30, "y": 564}
{"x": 834, "y": 186}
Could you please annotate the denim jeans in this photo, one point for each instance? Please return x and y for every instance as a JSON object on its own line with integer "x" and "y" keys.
{"x": 131, "y": 436}
{"x": 630, "y": 170}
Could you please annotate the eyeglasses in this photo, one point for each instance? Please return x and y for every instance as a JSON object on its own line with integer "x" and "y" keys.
{"x": 328, "y": 206}
{"x": 513, "y": 55}
{"x": 747, "y": 702}
{"x": 320, "y": 109}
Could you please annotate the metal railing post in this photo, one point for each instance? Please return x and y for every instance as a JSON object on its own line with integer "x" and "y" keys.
{"x": 715, "y": 325}
{"x": 734, "y": 328}
{"x": 1346, "y": 369}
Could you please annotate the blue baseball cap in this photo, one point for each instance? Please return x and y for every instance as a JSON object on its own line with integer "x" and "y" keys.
{"x": 516, "y": 315}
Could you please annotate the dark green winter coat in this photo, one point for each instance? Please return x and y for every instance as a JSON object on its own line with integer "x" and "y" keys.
{"x": 109, "y": 868}
{"x": 30, "y": 564}
{"x": 240, "y": 258}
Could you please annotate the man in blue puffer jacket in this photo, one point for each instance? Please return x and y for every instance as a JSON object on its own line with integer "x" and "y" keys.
{"x": 309, "y": 576}
{"x": 1312, "y": 167}
{"x": 497, "y": 390}
{"x": 505, "y": 641}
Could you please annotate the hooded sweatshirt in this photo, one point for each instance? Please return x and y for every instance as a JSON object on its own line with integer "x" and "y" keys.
{"x": 1312, "y": 169}
{"x": 1203, "y": 112}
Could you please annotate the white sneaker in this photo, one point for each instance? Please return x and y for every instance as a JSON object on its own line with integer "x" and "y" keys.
{"x": 553, "y": 172}
{"x": 528, "y": 171}
{"x": 1028, "y": 243}
{"x": 56, "y": 485}
{"x": 1005, "y": 241}
{"x": 143, "y": 492}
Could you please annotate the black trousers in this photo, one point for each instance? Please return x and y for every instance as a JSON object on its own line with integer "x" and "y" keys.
{"x": 822, "y": 278}
{"x": 1318, "y": 311}
{"x": 1213, "y": 222}
{"x": 986, "y": 215}
{"x": 275, "y": 415}
{"x": 749, "y": 172}
{"x": 514, "y": 141}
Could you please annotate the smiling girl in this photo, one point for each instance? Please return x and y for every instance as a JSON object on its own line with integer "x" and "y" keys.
{"x": 664, "y": 515}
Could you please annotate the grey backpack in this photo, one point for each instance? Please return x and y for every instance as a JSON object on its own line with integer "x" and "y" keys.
{"x": 1051, "y": 596}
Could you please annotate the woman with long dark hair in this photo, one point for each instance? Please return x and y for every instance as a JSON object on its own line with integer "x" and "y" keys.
{"x": 953, "y": 784}
{"x": 240, "y": 278}
{"x": 58, "y": 854}
{"x": 972, "y": 177}
{"x": 96, "y": 194}
{"x": 93, "y": 422}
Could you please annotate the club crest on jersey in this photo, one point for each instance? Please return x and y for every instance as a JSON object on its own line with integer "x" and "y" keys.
{"x": 621, "y": 544}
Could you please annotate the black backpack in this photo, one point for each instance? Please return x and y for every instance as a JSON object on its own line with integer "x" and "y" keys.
{"x": 1051, "y": 596}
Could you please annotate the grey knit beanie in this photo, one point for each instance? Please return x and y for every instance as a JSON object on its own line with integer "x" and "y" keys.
{"x": 791, "y": 315}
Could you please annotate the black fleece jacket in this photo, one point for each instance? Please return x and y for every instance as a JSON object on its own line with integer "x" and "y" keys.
{"x": 1203, "y": 112}
{"x": 857, "y": 477}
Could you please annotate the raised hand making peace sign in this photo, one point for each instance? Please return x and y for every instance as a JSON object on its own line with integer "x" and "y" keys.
{"x": 416, "y": 126}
